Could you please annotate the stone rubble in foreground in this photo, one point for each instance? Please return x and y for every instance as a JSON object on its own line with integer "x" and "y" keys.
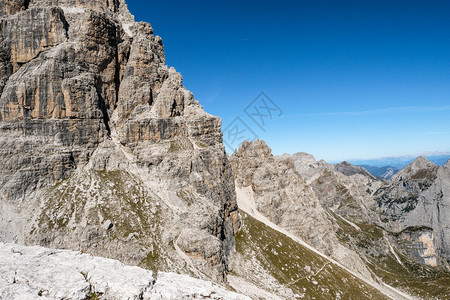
{"x": 41, "y": 273}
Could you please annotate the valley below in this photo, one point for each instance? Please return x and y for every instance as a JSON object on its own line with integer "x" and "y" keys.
{"x": 115, "y": 184}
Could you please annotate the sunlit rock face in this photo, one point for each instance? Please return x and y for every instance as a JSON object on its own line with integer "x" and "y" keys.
{"x": 415, "y": 206}
{"x": 48, "y": 274}
{"x": 287, "y": 199}
{"x": 86, "y": 99}
{"x": 313, "y": 200}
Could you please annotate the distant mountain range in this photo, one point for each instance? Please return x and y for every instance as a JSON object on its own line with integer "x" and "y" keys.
{"x": 386, "y": 167}
{"x": 382, "y": 172}
{"x": 400, "y": 162}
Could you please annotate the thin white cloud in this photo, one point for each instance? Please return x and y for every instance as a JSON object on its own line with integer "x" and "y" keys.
{"x": 433, "y": 133}
{"x": 375, "y": 111}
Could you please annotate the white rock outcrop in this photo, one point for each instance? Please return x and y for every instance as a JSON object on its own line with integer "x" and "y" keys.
{"x": 41, "y": 273}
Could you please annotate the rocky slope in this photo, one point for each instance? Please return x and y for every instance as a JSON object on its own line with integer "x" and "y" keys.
{"x": 382, "y": 172}
{"x": 102, "y": 148}
{"x": 41, "y": 273}
{"x": 272, "y": 265}
{"x": 289, "y": 201}
{"x": 103, "y": 151}
{"x": 382, "y": 236}
{"x": 415, "y": 207}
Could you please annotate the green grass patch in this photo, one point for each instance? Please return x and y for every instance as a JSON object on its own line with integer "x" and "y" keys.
{"x": 297, "y": 267}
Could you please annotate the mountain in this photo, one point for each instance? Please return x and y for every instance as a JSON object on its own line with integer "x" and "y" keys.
{"x": 115, "y": 183}
{"x": 385, "y": 172}
{"x": 414, "y": 207}
{"x": 400, "y": 162}
{"x": 359, "y": 220}
{"x": 349, "y": 169}
{"x": 287, "y": 200}
{"x": 104, "y": 152}
{"x": 102, "y": 148}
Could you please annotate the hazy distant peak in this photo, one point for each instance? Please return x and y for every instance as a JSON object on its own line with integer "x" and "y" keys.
{"x": 301, "y": 154}
{"x": 419, "y": 168}
{"x": 304, "y": 157}
{"x": 421, "y": 162}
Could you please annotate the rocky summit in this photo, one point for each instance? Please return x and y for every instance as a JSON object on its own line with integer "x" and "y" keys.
{"x": 102, "y": 148}
{"x": 392, "y": 230}
{"x": 115, "y": 184}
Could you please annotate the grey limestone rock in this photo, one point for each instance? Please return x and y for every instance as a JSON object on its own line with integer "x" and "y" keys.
{"x": 86, "y": 99}
{"x": 42, "y": 273}
{"x": 286, "y": 199}
{"x": 415, "y": 206}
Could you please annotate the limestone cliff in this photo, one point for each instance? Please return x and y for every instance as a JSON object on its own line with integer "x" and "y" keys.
{"x": 289, "y": 201}
{"x": 102, "y": 148}
{"x": 415, "y": 207}
{"x": 393, "y": 230}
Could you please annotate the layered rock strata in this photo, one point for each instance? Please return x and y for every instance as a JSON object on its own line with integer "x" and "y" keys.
{"x": 86, "y": 98}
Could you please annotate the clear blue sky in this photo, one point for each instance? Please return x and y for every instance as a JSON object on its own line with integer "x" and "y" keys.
{"x": 354, "y": 78}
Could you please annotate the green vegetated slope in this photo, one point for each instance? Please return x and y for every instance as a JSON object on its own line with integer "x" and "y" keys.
{"x": 306, "y": 273}
{"x": 104, "y": 212}
{"x": 371, "y": 242}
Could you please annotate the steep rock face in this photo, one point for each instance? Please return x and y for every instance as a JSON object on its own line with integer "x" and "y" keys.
{"x": 415, "y": 207}
{"x": 13, "y": 6}
{"x": 285, "y": 199}
{"x": 345, "y": 189}
{"x": 84, "y": 89}
{"x": 345, "y": 208}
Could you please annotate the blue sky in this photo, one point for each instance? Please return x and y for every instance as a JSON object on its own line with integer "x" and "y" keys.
{"x": 353, "y": 78}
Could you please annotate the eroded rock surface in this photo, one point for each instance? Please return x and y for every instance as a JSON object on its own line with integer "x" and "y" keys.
{"x": 41, "y": 273}
{"x": 86, "y": 99}
{"x": 319, "y": 202}
{"x": 287, "y": 200}
{"x": 415, "y": 207}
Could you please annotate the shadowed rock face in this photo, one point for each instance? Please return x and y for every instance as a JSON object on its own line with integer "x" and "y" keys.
{"x": 11, "y": 7}
{"x": 85, "y": 89}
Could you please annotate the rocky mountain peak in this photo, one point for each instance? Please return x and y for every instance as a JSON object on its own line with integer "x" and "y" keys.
{"x": 421, "y": 162}
{"x": 304, "y": 157}
{"x": 256, "y": 149}
{"x": 420, "y": 168}
{"x": 349, "y": 170}
{"x": 86, "y": 98}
